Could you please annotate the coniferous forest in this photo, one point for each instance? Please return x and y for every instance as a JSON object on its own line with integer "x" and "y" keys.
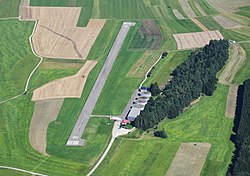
{"x": 241, "y": 160}
{"x": 196, "y": 76}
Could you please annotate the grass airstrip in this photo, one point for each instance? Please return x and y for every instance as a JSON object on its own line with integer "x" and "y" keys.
{"x": 140, "y": 155}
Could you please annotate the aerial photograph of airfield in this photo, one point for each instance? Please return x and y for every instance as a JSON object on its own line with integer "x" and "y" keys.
{"x": 124, "y": 87}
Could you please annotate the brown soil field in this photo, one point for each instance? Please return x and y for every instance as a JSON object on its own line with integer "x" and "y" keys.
{"x": 225, "y": 6}
{"x": 57, "y": 36}
{"x": 187, "y": 9}
{"x": 44, "y": 113}
{"x": 225, "y": 22}
{"x": 150, "y": 28}
{"x": 189, "y": 159}
{"x": 196, "y": 39}
{"x": 178, "y": 14}
{"x": 68, "y": 87}
{"x": 235, "y": 61}
{"x": 231, "y": 101}
{"x": 199, "y": 24}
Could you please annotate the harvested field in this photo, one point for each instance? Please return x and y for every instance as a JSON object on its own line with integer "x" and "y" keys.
{"x": 225, "y": 6}
{"x": 187, "y": 9}
{"x": 231, "y": 101}
{"x": 236, "y": 58}
{"x": 199, "y": 24}
{"x": 225, "y": 22}
{"x": 68, "y": 87}
{"x": 196, "y": 39}
{"x": 148, "y": 36}
{"x": 178, "y": 14}
{"x": 57, "y": 36}
{"x": 45, "y": 112}
{"x": 189, "y": 159}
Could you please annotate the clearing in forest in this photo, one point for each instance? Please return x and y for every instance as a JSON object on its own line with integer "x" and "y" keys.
{"x": 45, "y": 112}
{"x": 226, "y": 22}
{"x": 57, "y": 36}
{"x": 189, "y": 159}
{"x": 196, "y": 39}
{"x": 68, "y": 87}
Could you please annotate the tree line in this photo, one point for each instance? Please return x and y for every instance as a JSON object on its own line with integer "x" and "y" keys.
{"x": 196, "y": 76}
{"x": 241, "y": 162}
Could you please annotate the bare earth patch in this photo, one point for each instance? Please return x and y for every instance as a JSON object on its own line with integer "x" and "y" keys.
{"x": 199, "y": 24}
{"x": 231, "y": 101}
{"x": 196, "y": 39}
{"x": 68, "y": 87}
{"x": 225, "y": 22}
{"x": 225, "y": 6}
{"x": 57, "y": 36}
{"x": 189, "y": 159}
{"x": 187, "y": 9}
{"x": 45, "y": 112}
{"x": 235, "y": 61}
{"x": 178, "y": 14}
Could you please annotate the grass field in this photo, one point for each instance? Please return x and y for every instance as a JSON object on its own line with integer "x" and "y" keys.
{"x": 203, "y": 122}
{"x": 244, "y": 11}
{"x": 9, "y": 8}
{"x": 15, "y": 149}
{"x": 162, "y": 70}
{"x": 17, "y": 59}
{"x": 207, "y": 8}
{"x": 244, "y": 73}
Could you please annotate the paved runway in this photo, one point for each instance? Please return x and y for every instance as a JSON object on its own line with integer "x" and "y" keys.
{"x": 75, "y": 137}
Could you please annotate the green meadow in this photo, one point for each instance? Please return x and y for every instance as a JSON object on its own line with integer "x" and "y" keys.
{"x": 9, "y": 8}
{"x": 203, "y": 122}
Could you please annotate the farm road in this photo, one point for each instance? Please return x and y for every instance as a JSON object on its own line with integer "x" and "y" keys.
{"x": 75, "y": 137}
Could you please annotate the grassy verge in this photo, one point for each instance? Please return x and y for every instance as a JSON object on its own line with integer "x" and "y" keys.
{"x": 162, "y": 70}
{"x": 244, "y": 72}
{"x": 12, "y": 172}
{"x": 17, "y": 60}
{"x": 9, "y": 8}
{"x": 203, "y": 122}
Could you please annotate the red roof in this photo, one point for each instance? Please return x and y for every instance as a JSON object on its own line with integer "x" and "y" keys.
{"x": 125, "y": 121}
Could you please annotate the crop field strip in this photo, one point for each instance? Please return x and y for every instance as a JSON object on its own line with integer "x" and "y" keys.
{"x": 189, "y": 159}
{"x": 67, "y": 87}
{"x": 44, "y": 113}
{"x": 226, "y": 22}
{"x": 53, "y": 40}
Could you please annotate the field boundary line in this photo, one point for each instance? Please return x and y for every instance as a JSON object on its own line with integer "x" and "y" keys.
{"x": 21, "y": 170}
{"x": 32, "y": 72}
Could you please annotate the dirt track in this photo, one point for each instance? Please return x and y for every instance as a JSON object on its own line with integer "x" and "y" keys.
{"x": 189, "y": 159}
{"x": 68, "y": 87}
{"x": 199, "y": 24}
{"x": 57, "y": 36}
{"x": 196, "y": 39}
{"x": 44, "y": 113}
